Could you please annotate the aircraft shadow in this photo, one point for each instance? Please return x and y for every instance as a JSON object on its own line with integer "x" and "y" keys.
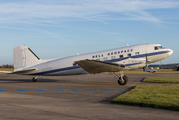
{"x": 142, "y": 79}
{"x": 109, "y": 99}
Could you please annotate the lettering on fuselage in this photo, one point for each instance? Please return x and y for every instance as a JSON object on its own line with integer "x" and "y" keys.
{"x": 113, "y": 53}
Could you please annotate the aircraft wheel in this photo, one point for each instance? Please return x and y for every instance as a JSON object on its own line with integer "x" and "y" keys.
{"x": 124, "y": 81}
{"x": 34, "y": 79}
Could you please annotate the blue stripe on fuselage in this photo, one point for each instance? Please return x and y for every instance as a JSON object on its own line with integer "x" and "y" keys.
{"x": 109, "y": 61}
{"x": 132, "y": 64}
{"x": 57, "y": 70}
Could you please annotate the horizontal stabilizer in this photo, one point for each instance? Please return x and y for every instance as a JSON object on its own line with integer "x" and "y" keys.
{"x": 24, "y": 71}
{"x": 8, "y": 72}
{"x": 94, "y": 66}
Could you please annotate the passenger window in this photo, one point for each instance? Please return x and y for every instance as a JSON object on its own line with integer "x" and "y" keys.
{"x": 113, "y": 57}
{"x": 129, "y": 54}
{"x": 137, "y": 53}
{"x": 74, "y": 64}
{"x": 105, "y": 58}
{"x": 121, "y": 56}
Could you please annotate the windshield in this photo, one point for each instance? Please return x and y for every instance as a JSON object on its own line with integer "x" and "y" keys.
{"x": 158, "y": 47}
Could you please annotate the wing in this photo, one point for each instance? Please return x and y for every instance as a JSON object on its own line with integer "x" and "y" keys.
{"x": 94, "y": 66}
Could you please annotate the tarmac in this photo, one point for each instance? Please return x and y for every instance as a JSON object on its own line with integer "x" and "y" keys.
{"x": 80, "y": 97}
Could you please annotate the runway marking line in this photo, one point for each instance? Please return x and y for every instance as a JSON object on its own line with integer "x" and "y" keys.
{"x": 39, "y": 90}
{"x": 121, "y": 90}
{"x": 70, "y": 89}
{"x": 74, "y": 90}
{"x": 106, "y": 90}
{"x": 2, "y": 91}
{"x": 57, "y": 90}
{"x": 90, "y": 90}
{"x": 21, "y": 90}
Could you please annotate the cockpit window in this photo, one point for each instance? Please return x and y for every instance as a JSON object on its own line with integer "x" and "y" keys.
{"x": 158, "y": 47}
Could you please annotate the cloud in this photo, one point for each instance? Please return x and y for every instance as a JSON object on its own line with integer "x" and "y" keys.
{"x": 90, "y": 10}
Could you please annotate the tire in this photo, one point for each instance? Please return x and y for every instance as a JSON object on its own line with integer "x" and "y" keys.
{"x": 34, "y": 80}
{"x": 125, "y": 78}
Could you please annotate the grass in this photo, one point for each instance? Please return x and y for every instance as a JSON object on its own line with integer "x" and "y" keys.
{"x": 156, "y": 96}
{"x": 162, "y": 79}
{"x": 6, "y": 69}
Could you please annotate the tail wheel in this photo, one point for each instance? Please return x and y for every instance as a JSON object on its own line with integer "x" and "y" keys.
{"x": 123, "y": 81}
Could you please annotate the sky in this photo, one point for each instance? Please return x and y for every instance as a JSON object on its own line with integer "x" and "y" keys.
{"x": 61, "y": 28}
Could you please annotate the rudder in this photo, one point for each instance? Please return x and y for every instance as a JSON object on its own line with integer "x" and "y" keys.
{"x": 24, "y": 57}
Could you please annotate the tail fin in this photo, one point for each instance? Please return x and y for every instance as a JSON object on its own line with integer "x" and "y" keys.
{"x": 24, "y": 57}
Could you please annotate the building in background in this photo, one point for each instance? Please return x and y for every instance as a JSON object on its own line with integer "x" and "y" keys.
{"x": 164, "y": 66}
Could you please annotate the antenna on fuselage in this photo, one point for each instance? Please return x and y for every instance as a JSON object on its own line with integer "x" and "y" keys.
{"x": 77, "y": 53}
{"x": 127, "y": 45}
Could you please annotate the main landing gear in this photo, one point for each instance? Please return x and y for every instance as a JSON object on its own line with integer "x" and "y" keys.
{"x": 34, "y": 79}
{"x": 122, "y": 79}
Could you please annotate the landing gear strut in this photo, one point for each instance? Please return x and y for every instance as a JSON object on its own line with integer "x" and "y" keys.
{"x": 122, "y": 79}
{"x": 34, "y": 79}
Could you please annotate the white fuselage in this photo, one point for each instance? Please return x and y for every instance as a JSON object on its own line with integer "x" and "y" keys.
{"x": 133, "y": 57}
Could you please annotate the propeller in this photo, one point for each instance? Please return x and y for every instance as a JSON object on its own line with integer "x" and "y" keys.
{"x": 146, "y": 65}
{"x": 161, "y": 64}
{"x": 146, "y": 62}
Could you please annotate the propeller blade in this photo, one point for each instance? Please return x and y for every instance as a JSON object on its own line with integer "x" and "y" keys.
{"x": 161, "y": 63}
{"x": 146, "y": 64}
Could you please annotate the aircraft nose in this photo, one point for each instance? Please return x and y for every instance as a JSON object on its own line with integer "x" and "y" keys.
{"x": 170, "y": 51}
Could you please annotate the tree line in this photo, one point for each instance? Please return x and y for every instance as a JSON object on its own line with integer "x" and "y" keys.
{"x": 7, "y": 66}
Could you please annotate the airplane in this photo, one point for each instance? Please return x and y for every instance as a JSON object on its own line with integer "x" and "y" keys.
{"x": 26, "y": 62}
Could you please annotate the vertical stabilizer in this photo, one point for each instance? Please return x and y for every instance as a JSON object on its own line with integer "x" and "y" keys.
{"x": 24, "y": 57}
